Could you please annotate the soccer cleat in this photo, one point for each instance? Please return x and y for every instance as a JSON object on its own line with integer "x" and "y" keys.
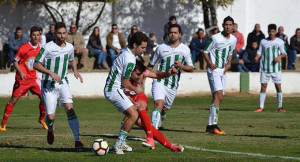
{"x": 149, "y": 143}
{"x": 126, "y": 147}
{"x": 214, "y": 129}
{"x": 79, "y": 145}
{"x": 2, "y": 127}
{"x": 208, "y": 128}
{"x": 259, "y": 110}
{"x": 281, "y": 109}
{"x": 118, "y": 150}
{"x": 177, "y": 148}
{"x": 44, "y": 124}
{"x": 50, "y": 137}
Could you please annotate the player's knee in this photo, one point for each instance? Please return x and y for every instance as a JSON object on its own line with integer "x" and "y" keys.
{"x": 50, "y": 117}
{"x": 70, "y": 111}
{"x": 13, "y": 100}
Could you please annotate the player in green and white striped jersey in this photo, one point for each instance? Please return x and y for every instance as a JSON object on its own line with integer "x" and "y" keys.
{"x": 218, "y": 55}
{"x": 270, "y": 52}
{"x": 53, "y": 61}
{"x": 170, "y": 54}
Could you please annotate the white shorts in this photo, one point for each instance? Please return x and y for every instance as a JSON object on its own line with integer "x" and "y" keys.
{"x": 119, "y": 99}
{"x": 217, "y": 80}
{"x": 265, "y": 77}
{"x": 159, "y": 91}
{"x": 51, "y": 94}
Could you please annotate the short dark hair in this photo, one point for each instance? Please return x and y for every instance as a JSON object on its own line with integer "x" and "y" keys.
{"x": 18, "y": 28}
{"x": 151, "y": 35}
{"x": 172, "y": 17}
{"x": 138, "y": 38}
{"x": 175, "y": 26}
{"x": 200, "y": 29}
{"x": 41, "y": 29}
{"x": 297, "y": 30}
{"x": 228, "y": 18}
{"x": 272, "y": 27}
{"x": 34, "y": 29}
{"x": 114, "y": 25}
{"x": 139, "y": 66}
{"x": 60, "y": 25}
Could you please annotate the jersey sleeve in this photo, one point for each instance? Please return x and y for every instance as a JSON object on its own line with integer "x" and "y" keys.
{"x": 188, "y": 61}
{"x": 155, "y": 57}
{"x": 41, "y": 56}
{"x": 129, "y": 65}
{"x": 71, "y": 55}
{"x": 260, "y": 48}
{"x": 233, "y": 47}
{"x": 209, "y": 46}
{"x": 19, "y": 54}
{"x": 282, "y": 49}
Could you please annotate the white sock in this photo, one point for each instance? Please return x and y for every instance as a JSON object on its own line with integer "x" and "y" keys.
{"x": 122, "y": 123}
{"x": 121, "y": 138}
{"x": 156, "y": 117}
{"x": 262, "y": 97}
{"x": 74, "y": 125}
{"x": 213, "y": 115}
{"x": 279, "y": 99}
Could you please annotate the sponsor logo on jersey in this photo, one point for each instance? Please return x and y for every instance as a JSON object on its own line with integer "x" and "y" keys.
{"x": 29, "y": 63}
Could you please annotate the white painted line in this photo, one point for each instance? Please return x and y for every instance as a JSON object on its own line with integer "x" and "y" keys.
{"x": 188, "y": 147}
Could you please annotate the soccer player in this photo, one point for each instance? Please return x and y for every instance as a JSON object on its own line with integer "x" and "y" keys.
{"x": 141, "y": 102}
{"x": 172, "y": 53}
{"x": 52, "y": 61}
{"x": 271, "y": 51}
{"x": 218, "y": 55}
{"x": 26, "y": 77}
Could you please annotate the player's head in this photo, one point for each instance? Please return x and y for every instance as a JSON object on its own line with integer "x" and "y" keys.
{"x": 19, "y": 31}
{"x": 73, "y": 28}
{"x": 138, "y": 71}
{"x": 35, "y": 34}
{"x": 174, "y": 33}
{"x": 60, "y": 32}
{"x": 172, "y": 20}
{"x": 200, "y": 32}
{"x": 138, "y": 43}
{"x": 297, "y": 33}
{"x": 227, "y": 25}
{"x": 52, "y": 28}
{"x": 114, "y": 28}
{"x": 254, "y": 44}
{"x": 272, "y": 28}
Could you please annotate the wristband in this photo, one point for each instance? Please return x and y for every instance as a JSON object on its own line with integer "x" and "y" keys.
{"x": 146, "y": 73}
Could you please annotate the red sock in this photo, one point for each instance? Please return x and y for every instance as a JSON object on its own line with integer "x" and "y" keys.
{"x": 158, "y": 136}
{"x": 146, "y": 122}
{"x": 42, "y": 111}
{"x": 8, "y": 109}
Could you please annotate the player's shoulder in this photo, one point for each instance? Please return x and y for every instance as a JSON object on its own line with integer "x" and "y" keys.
{"x": 184, "y": 47}
{"x": 278, "y": 40}
{"x": 24, "y": 46}
{"x": 127, "y": 54}
{"x": 48, "y": 45}
{"x": 69, "y": 45}
{"x": 163, "y": 46}
{"x": 233, "y": 38}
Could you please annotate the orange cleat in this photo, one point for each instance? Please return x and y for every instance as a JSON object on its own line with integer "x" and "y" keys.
{"x": 2, "y": 127}
{"x": 79, "y": 145}
{"x": 281, "y": 109}
{"x": 259, "y": 110}
{"x": 149, "y": 143}
{"x": 215, "y": 130}
{"x": 44, "y": 124}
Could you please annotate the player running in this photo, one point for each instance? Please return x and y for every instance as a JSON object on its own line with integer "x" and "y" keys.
{"x": 169, "y": 54}
{"x": 271, "y": 50}
{"x": 218, "y": 55}
{"x": 26, "y": 77}
{"x": 52, "y": 61}
{"x": 141, "y": 103}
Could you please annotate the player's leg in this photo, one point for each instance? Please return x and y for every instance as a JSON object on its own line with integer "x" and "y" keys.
{"x": 8, "y": 109}
{"x": 156, "y": 113}
{"x": 276, "y": 78}
{"x": 264, "y": 79}
{"x": 36, "y": 89}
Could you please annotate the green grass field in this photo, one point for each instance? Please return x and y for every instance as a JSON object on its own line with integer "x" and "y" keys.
{"x": 266, "y": 136}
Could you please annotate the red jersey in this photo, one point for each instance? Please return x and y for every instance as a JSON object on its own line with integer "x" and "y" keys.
{"x": 137, "y": 97}
{"x": 26, "y": 56}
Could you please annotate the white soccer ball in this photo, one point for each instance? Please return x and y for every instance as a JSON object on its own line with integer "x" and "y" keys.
{"x": 100, "y": 147}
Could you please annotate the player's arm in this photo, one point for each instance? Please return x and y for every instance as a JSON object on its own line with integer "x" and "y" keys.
{"x": 126, "y": 84}
{"x": 39, "y": 67}
{"x": 74, "y": 68}
{"x": 208, "y": 47}
{"x": 22, "y": 75}
{"x": 228, "y": 65}
{"x": 160, "y": 75}
{"x": 258, "y": 55}
{"x": 178, "y": 64}
{"x": 282, "y": 55}
{"x": 209, "y": 63}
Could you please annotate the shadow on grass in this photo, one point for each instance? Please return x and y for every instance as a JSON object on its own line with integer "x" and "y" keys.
{"x": 45, "y": 149}
{"x": 268, "y": 136}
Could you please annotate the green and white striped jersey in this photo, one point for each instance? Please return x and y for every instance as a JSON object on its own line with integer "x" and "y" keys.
{"x": 55, "y": 58}
{"x": 166, "y": 56}
{"x": 269, "y": 50}
{"x": 123, "y": 66}
{"x": 219, "y": 48}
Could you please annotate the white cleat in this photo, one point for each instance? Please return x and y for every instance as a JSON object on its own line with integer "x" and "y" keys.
{"x": 126, "y": 147}
{"x": 118, "y": 150}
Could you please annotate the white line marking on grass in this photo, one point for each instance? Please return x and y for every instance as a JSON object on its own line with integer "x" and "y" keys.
{"x": 188, "y": 147}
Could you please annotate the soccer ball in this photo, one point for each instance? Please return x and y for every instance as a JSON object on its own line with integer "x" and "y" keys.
{"x": 100, "y": 147}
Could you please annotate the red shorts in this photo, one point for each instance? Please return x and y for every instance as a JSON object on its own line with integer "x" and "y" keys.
{"x": 21, "y": 87}
{"x": 140, "y": 97}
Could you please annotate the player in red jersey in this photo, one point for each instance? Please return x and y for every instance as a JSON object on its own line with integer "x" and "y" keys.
{"x": 26, "y": 77}
{"x": 141, "y": 101}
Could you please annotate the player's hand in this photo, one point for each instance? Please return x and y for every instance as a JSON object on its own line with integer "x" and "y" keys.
{"x": 138, "y": 90}
{"x": 136, "y": 105}
{"x": 256, "y": 59}
{"x": 22, "y": 76}
{"x": 173, "y": 71}
{"x": 77, "y": 75}
{"x": 118, "y": 51}
{"x": 55, "y": 77}
{"x": 212, "y": 66}
{"x": 177, "y": 64}
{"x": 277, "y": 59}
{"x": 227, "y": 67}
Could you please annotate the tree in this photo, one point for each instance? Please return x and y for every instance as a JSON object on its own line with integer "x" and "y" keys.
{"x": 56, "y": 15}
